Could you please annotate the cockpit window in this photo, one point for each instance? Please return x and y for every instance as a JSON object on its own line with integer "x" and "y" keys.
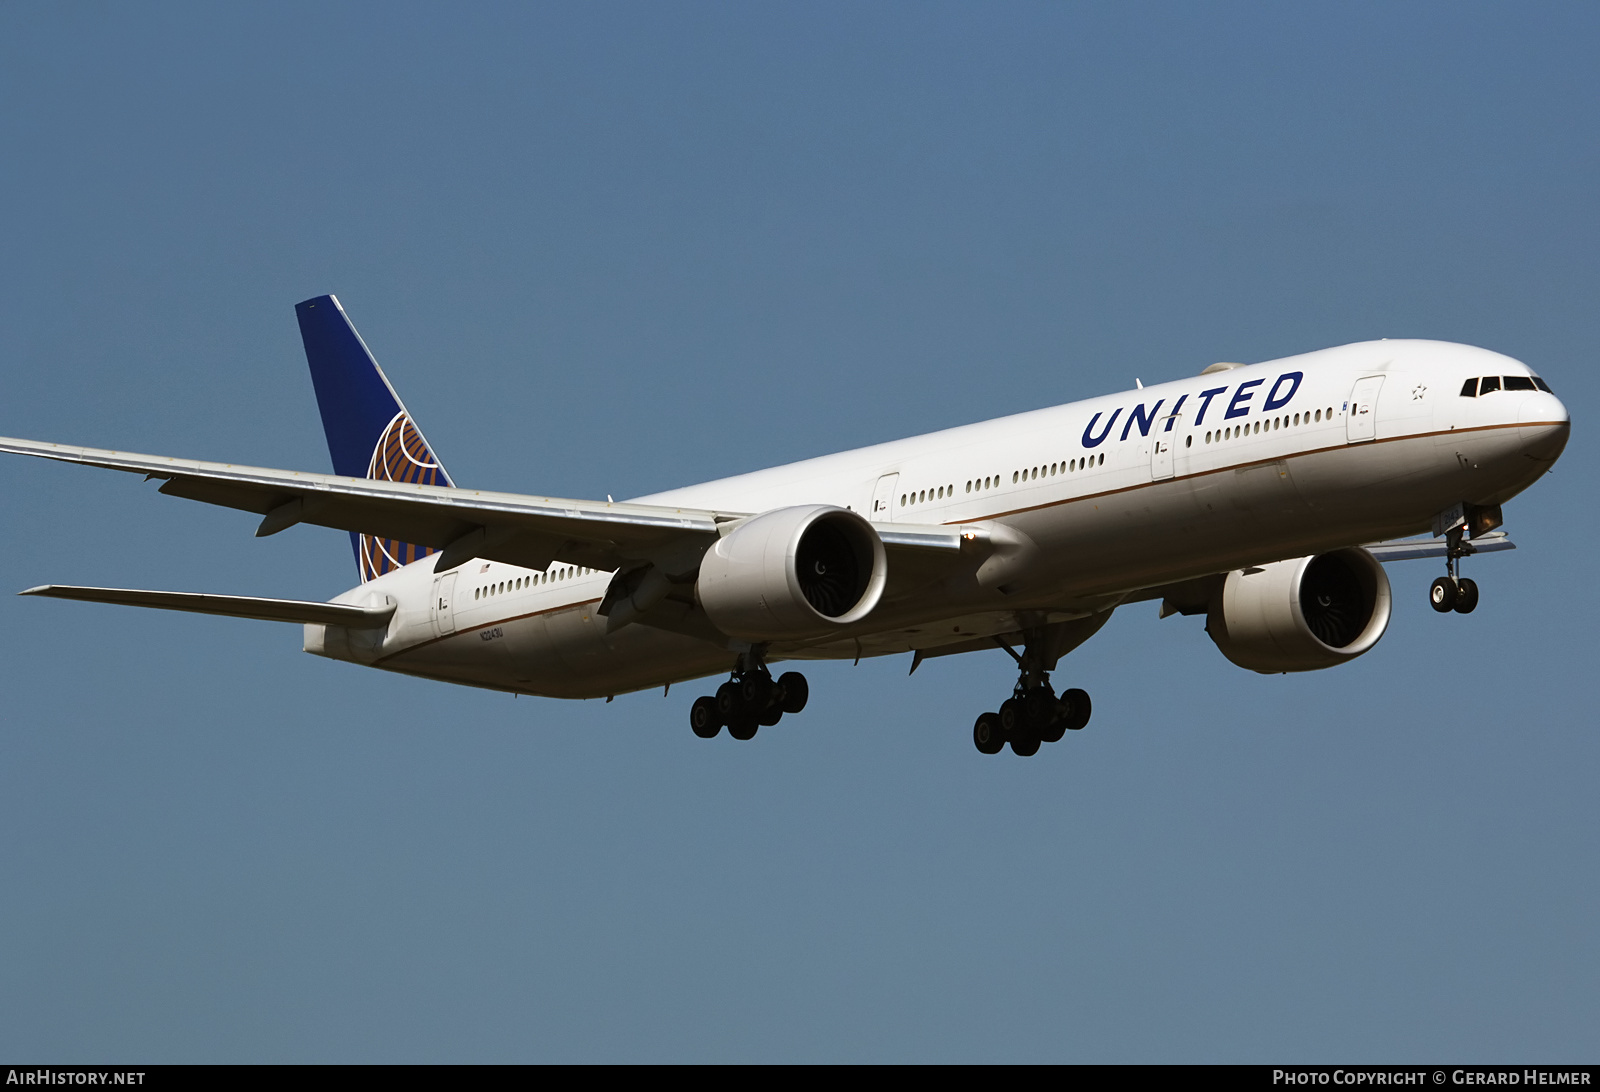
{"x": 1473, "y": 388}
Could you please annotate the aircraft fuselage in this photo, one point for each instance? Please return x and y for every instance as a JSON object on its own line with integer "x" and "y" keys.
{"x": 1073, "y": 509}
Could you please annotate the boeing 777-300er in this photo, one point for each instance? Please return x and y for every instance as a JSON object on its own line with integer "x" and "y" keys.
{"x": 1262, "y": 496}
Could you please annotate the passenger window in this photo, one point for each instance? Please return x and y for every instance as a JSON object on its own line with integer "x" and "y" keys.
{"x": 1519, "y": 383}
{"x": 1488, "y": 383}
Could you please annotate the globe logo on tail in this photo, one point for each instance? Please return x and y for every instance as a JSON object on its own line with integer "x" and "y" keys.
{"x": 400, "y": 455}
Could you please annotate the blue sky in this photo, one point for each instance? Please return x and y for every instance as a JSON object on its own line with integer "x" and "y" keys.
{"x": 617, "y": 248}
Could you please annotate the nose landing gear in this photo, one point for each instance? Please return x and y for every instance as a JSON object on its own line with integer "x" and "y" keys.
{"x": 1451, "y": 592}
{"x": 751, "y": 699}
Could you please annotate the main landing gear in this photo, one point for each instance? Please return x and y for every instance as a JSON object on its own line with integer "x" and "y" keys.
{"x": 1034, "y": 715}
{"x": 751, "y": 699}
{"x": 1451, "y": 592}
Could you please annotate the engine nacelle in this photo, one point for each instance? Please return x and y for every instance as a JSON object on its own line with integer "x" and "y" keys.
{"x": 792, "y": 573}
{"x": 1303, "y": 614}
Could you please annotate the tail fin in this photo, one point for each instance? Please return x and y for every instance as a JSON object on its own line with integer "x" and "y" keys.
{"x": 370, "y": 434}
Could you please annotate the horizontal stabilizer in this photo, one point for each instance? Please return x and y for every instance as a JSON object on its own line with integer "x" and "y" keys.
{"x": 1412, "y": 549}
{"x": 232, "y": 606}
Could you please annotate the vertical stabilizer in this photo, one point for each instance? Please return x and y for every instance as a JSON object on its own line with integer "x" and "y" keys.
{"x": 370, "y": 434}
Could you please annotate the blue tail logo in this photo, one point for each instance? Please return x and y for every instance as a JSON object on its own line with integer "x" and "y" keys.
{"x": 370, "y": 433}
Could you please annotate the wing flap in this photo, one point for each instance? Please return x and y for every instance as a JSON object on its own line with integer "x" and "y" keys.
{"x": 232, "y": 606}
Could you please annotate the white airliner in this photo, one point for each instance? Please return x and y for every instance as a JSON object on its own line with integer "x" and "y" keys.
{"x": 1262, "y": 496}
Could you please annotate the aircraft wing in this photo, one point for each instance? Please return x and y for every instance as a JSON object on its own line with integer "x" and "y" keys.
{"x": 461, "y": 523}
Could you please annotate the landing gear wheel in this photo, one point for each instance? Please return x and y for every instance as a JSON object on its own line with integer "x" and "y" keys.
{"x": 1026, "y": 746}
{"x": 743, "y": 728}
{"x": 1075, "y": 709}
{"x": 1039, "y": 711}
{"x": 730, "y": 702}
{"x": 703, "y": 718}
{"x": 986, "y": 734}
{"x": 1466, "y": 595}
{"x": 770, "y": 716}
{"x": 757, "y": 692}
{"x": 793, "y": 690}
{"x": 1443, "y": 595}
{"x": 1010, "y": 718}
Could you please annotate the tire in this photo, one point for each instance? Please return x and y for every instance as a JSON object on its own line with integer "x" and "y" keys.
{"x": 1442, "y": 595}
{"x": 986, "y": 734}
{"x": 1466, "y": 596}
{"x": 1052, "y": 716}
{"x": 793, "y": 691}
{"x": 743, "y": 728}
{"x": 1010, "y": 717}
{"x": 1075, "y": 709}
{"x": 1026, "y": 747}
{"x": 1039, "y": 708}
{"x": 757, "y": 691}
{"x": 730, "y": 702}
{"x": 703, "y": 717}
{"x": 771, "y": 715}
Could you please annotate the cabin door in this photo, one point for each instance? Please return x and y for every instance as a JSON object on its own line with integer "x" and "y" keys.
{"x": 1161, "y": 448}
{"x": 444, "y": 613}
{"x": 1362, "y": 420}
{"x": 883, "y": 499}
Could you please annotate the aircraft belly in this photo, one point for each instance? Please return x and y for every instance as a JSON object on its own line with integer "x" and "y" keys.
{"x": 563, "y": 653}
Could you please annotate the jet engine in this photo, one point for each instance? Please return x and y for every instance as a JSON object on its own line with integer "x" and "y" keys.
{"x": 1303, "y": 614}
{"x": 792, "y": 573}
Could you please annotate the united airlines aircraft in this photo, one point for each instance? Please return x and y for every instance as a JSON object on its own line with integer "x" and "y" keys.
{"x": 1261, "y": 496}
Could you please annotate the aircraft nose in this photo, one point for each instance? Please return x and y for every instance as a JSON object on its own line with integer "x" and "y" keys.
{"x": 1543, "y": 427}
